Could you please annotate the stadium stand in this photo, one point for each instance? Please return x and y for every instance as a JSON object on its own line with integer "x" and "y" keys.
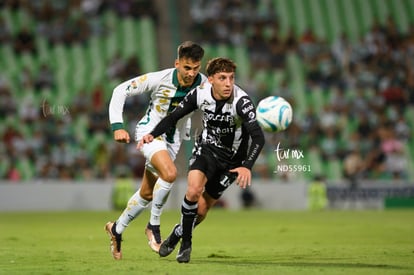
{"x": 314, "y": 52}
{"x": 332, "y": 66}
{"x": 67, "y": 120}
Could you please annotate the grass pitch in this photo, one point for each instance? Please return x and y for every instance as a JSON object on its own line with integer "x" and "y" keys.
{"x": 228, "y": 242}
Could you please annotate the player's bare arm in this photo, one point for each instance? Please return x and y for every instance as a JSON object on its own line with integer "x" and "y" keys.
{"x": 244, "y": 176}
{"x": 145, "y": 139}
{"x": 121, "y": 135}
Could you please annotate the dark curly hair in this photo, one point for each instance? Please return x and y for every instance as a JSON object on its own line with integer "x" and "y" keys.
{"x": 220, "y": 64}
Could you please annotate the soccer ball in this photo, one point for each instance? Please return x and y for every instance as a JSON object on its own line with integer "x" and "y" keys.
{"x": 274, "y": 114}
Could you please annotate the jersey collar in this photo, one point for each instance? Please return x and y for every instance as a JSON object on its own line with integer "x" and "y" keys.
{"x": 197, "y": 81}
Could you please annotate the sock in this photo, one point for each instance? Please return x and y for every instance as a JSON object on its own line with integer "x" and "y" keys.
{"x": 188, "y": 218}
{"x": 135, "y": 206}
{"x": 160, "y": 195}
{"x": 179, "y": 229}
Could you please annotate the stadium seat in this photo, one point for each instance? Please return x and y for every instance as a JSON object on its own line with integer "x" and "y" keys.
{"x": 26, "y": 168}
{"x": 149, "y": 60}
{"x": 409, "y": 153}
{"x": 314, "y": 159}
{"x": 4, "y": 167}
{"x": 333, "y": 169}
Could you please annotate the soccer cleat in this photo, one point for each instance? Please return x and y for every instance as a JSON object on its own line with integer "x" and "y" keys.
{"x": 168, "y": 246}
{"x": 184, "y": 253}
{"x": 116, "y": 240}
{"x": 154, "y": 236}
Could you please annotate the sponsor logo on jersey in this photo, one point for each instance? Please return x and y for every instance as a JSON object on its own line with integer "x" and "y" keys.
{"x": 142, "y": 78}
{"x": 245, "y": 101}
{"x": 247, "y": 108}
{"x": 252, "y": 116}
{"x": 219, "y": 117}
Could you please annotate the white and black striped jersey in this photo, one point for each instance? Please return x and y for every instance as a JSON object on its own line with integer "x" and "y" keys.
{"x": 227, "y": 124}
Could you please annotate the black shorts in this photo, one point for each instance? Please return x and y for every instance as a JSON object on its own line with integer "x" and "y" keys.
{"x": 216, "y": 171}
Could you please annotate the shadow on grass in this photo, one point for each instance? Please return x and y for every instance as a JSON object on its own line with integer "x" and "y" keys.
{"x": 236, "y": 261}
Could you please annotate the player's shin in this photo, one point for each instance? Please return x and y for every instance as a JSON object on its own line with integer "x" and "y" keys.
{"x": 160, "y": 195}
{"x": 135, "y": 206}
{"x": 188, "y": 219}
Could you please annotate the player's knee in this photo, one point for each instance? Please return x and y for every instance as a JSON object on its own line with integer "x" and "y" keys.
{"x": 194, "y": 192}
{"x": 169, "y": 175}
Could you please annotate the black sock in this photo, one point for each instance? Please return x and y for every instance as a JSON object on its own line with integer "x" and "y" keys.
{"x": 188, "y": 218}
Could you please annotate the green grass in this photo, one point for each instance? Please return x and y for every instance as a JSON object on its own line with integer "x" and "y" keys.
{"x": 228, "y": 242}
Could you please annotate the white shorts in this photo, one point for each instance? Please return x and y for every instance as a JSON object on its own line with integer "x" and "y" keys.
{"x": 158, "y": 144}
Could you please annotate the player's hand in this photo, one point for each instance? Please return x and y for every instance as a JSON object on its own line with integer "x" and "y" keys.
{"x": 145, "y": 139}
{"x": 244, "y": 177}
{"x": 121, "y": 135}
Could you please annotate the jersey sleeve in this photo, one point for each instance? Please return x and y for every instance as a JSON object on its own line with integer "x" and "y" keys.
{"x": 134, "y": 86}
{"x": 186, "y": 106}
{"x": 247, "y": 111}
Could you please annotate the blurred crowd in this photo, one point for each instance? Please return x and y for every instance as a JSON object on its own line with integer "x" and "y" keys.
{"x": 65, "y": 21}
{"x": 368, "y": 84}
{"x": 44, "y": 140}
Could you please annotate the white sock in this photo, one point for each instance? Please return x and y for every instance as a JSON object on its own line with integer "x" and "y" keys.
{"x": 135, "y": 206}
{"x": 159, "y": 197}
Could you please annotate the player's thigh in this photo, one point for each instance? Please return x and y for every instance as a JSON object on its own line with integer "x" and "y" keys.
{"x": 160, "y": 158}
{"x": 158, "y": 144}
{"x": 164, "y": 165}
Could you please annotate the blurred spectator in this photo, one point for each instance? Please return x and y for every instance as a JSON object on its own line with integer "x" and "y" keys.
{"x": 81, "y": 102}
{"x": 44, "y": 78}
{"x": 29, "y": 113}
{"x": 353, "y": 167}
{"x": 393, "y": 150}
{"x": 262, "y": 167}
{"x": 285, "y": 91}
{"x": 98, "y": 97}
{"x": 13, "y": 174}
{"x": 248, "y": 198}
{"x": 101, "y": 160}
{"x": 338, "y": 101}
{"x": 80, "y": 31}
{"x": 369, "y": 83}
{"x": 115, "y": 67}
{"x": 24, "y": 42}
{"x": 5, "y": 32}
{"x": 341, "y": 50}
{"x": 131, "y": 68}
{"x": 92, "y": 7}
{"x": 291, "y": 42}
{"x": 277, "y": 53}
{"x": 329, "y": 144}
{"x": 98, "y": 120}
{"x": 26, "y": 80}
{"x": 329, "y": 119}
{"x": 317, "y": 194}
{"x": 8, "y": 104}
{"x": 402, "y": 129}
{"x": 258, "y": 47}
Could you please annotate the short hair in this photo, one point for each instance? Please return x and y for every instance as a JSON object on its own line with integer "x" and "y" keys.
{"x": 220, "y": 64}
{"x": 191, "y": 50}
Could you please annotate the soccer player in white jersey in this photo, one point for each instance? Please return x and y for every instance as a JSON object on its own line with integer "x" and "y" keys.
{"x": 223, "y": 146}
{"x": 167, "y": 87}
